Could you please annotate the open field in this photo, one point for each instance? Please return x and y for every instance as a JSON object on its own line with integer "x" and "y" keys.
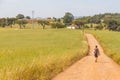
{"x": 38, "y": 54}
{"x": 111, "y": 43}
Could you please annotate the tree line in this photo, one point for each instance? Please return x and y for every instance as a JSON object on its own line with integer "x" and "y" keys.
{"x": 19, "y": 19}
{"x": 108, "y": 21}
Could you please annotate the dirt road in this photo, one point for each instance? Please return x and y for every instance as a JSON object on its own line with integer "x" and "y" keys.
{"x": 87, "y": 69}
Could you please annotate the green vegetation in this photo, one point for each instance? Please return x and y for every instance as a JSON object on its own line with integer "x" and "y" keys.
{"x": 20, "y": 16}
{"x": 68, "y": 18}
{"x": 38, "y": 54}
{"x": 108, "y": 21}
{"x": 110, "y": 42}
{"x": 43, "y": 23}
{"x": 57, "y": 25}
{"x": 21, "y": 23}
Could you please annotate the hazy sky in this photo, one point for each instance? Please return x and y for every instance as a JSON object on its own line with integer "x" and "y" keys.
{"x": 57, "y": 8}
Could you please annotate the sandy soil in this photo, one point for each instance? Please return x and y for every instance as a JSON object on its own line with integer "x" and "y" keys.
{"x": 87, "y": 69}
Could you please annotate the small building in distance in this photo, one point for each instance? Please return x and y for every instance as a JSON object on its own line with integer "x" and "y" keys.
{"x": 72, "y": 27}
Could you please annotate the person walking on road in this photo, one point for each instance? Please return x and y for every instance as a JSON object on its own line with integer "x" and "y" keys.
{"x": 96, "y": 53}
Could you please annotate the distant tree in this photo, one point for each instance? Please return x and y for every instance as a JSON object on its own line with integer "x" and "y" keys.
{"x": 55, "y": 19}
{"x": 68, "y": 18}
{"x": 58, "y": 20}
{"x": 14, "y": 20}
{"x": 20, "y": 16}
{"x": 99, "y": 27}
{"x": 10, "y": 21}
{"x": 57, "y": 25}
{"x": 49, "y": 18}
{"x": 94, "y": 20}
{"x": 21, "y": 23}
{"x": 43, "y": 23}
{"x": 28, "y": 17}
{"x": 112, "y": 24}
{"x": 80, "y": 23}
{"x": 2, "y": 22}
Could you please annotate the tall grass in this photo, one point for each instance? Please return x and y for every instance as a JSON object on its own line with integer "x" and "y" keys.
{"x": 38, "y": 54}
{"x": 110, "y": 41}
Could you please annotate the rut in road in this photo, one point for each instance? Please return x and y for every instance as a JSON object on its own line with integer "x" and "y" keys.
{"x": 87, "y": 69}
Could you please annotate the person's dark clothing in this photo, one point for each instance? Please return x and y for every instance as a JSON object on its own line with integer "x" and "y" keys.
{"x": 96, "y": 52}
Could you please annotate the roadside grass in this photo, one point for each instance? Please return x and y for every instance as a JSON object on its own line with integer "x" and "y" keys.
{"x": 38, "y": 54}
{"x": 110, "y": 42}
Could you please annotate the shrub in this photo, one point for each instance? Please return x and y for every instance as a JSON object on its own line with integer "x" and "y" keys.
{"x": 57, "y": 25}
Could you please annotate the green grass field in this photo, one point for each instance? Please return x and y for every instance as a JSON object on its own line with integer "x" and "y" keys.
{"x": 111, "y": 43}
{"x": 38, "y": 54}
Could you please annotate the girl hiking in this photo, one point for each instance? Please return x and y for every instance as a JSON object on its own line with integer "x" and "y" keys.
{"x": 96, "y": 53}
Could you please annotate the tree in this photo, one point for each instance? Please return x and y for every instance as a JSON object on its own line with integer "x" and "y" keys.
{"x": 80, "y": 23}
{"x": 55, "y": 19}
{"x": 21, "y": 23}
{"x": 112, "y": 24}
{"x": 58, "y": 20}
{"x": 68, "y": 18}
{"x": 99, "y": 27}
{"x": 43, "y": 23}
{"x": 2, "y": 22}
{"x": 95, "y": 20}
{"x": 20, "y": 16}
{"x": 28, "y": 17}
{"x": 57, "y": 25}
{"x": 10, "y": 21}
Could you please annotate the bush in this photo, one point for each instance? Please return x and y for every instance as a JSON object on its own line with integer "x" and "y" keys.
{"x": 3, "y": 22}
{"x": 21, "y": 23}
{"x": 99, "y": 27}
{"x": 57, "y": 25}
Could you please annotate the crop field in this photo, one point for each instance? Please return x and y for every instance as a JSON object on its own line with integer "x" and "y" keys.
{"x": 38, "y": 54}
{"x": 111, "y": 43}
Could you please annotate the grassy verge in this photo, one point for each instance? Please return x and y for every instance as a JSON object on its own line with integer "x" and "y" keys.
{"x": 38, "y": 54}
{"x": 110, "y": 41}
